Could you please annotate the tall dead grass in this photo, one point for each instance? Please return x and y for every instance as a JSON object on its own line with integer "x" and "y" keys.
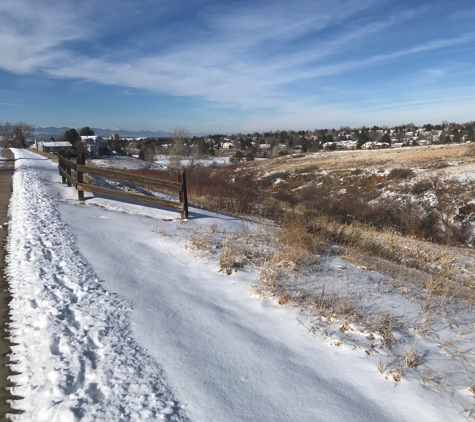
{"x": 291, "y": 262}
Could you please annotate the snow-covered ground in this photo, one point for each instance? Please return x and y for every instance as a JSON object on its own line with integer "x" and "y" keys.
{"x": 160, "y": 162}
{"x": 125, "y": 162}
{"x": 164, "y": 161}
{"x": 116, "y": 320}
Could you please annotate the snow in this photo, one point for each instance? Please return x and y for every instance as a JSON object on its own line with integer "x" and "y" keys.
{"x": 160, "y": 162}
{"x": 124, "y": 162}
{"x": 75, "y": 354}
{"x": 115, "y": 319}
{"x": 164, "y": 161}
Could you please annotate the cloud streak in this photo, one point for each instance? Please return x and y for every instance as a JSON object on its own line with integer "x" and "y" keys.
{"x": 244, "y": 57}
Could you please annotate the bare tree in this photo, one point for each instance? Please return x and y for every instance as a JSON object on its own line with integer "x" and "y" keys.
{"x": 15, "y": 135}
{"x": 178, "y": 149}
{"x": 147, "y": 153}
{"x": 26, "y": 129}
{"x": 5, "y": 130}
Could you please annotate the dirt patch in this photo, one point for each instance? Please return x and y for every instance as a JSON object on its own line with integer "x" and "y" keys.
{"x": 6, "y": 173}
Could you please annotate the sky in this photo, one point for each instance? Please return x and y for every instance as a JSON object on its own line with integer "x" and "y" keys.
{"x": 236, "y": 66}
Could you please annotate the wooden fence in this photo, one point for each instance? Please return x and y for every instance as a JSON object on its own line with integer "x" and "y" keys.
{"x": 76, "y": 179}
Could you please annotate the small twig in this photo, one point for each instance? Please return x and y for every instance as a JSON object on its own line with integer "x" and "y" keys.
{"x": 304, "y": 326}
{"x": 173, "y": 256}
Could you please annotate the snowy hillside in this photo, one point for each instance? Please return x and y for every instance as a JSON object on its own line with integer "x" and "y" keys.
{"x": 121, "y": 313}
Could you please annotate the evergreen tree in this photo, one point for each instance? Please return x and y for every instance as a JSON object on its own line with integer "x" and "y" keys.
{"x": 386, "y": 139}
{"x": 71, "y": 136}
{"x": 362, "y": 139}
{"x": 86, "y": 131}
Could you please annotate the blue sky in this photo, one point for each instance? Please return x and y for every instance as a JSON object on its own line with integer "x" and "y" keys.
{"x": 236, "y": 66}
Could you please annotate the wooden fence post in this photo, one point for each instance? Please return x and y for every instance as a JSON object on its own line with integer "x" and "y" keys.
{"x": 80, "y": 175}
{"x": 62, "y": 154}
{"x": 59, "y": 161}
{"x": 183, "y": 195}
{"x": 68, "y": 167}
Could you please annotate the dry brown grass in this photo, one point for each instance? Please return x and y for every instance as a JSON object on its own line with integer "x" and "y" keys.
{"x": 230, "y": 259}
{"x": 440, "y": 261}
{"x": 363, "y": 159}
{"x": 337, "y": 304}
{"x": 411, "y": 360}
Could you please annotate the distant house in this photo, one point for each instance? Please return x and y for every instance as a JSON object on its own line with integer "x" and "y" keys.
{"x": 347, "y": 144}
{"x": 94, "y": 144}
{"x": 227, "y": 145}
{"x": 51, "y": 146}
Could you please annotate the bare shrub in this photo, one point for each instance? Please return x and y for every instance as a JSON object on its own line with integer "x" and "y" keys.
{"x": 400, "y": 173}
{"x": 268, "y": 277}
{"x": 420, "y": 187}
{"x": 285, "y": 195}
{"x": 224, "y": 190}
{"x": 230, "y": 260}
{"x": 271, "y": 208}
{"x": 294, "y": 232}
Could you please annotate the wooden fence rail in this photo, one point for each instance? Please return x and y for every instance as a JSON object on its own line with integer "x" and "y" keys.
{"x": 76, "y": 179}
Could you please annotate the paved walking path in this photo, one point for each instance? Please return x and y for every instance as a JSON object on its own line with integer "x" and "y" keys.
{"x": 6, "y": 173}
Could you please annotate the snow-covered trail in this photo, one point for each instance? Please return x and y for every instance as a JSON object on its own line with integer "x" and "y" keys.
{"x": 203, "y": 340}
{"x": 75, "y": 355}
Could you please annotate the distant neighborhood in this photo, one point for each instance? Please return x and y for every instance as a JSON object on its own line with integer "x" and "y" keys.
{"x": 239, "y": 147}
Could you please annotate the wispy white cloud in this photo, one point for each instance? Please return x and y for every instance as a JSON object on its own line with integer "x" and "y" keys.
{"x": 243, "y": 56}
{"x": 11, "y": 105}
{"x": 35, "y": 37}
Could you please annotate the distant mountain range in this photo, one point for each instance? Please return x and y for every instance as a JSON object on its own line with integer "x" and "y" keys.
{"x": 55, "y": 132}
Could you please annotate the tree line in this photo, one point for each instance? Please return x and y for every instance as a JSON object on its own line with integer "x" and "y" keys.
{"x": 15, "y": 135}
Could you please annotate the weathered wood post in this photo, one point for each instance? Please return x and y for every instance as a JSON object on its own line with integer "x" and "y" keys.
{"x": 68, "y": 167}
{"x": 183, "y": 195}
{"x": 59, "y": 161}
{"x": 60, "y": 166}
{"x": 80, "y": 175}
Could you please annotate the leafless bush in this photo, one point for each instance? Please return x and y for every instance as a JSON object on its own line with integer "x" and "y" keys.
{"x": 271, "y": 208}
{"x": 420, "y": 187}
{"x": 287, "y": 196}
{"x": 229, "y": 260}
{"x": 400, "y": 173}
{"x": 224, "y": 190}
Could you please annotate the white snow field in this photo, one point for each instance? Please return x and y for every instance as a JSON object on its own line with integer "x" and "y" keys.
{"x": 115, "y": 322}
